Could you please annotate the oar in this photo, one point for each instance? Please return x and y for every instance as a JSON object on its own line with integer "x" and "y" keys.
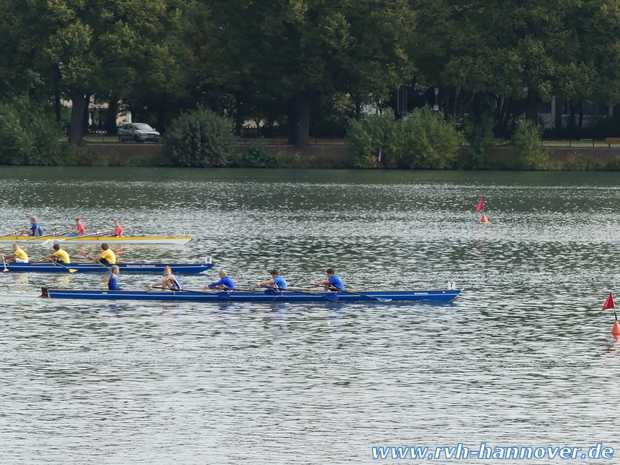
{"x": 54, "y": 262}
{"x": 99, "y": 263}
{"x": 222, "y": 294}
{"x": 4, "y": 261}
{"x": 330, "y": 297}
{"x": 380, "y": 299}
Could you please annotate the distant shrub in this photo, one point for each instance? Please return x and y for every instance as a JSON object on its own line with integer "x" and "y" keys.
{"x": 580, "y": 162}
{"x": 526, "y": 147}
{"x": 257, "y": 156}
{"x": 374, "y": 141}
{"x": 421, "y": 140}
{"x": 199, "y": 138}
{"x": 28, "y": 136}
{"x": 429, "y": 141}
{"x": 479, "y": 136}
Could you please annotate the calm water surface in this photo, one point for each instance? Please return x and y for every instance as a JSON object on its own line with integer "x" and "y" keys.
{"x": 522, "y": 358}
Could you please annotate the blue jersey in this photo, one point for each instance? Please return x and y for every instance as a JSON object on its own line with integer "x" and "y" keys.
{"x": 225, "y": 281}
{"x": 279, "y": 283}
{"x": 336, "y": 282}
{"x": 36, "y": 229}
{"x": 113, "y": 283}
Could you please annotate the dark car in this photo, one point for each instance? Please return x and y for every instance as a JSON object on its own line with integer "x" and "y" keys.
{"x": 138, "y": 132}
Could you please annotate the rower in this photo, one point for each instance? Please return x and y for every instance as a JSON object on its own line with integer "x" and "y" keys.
{"x": 118, "y": 229}
{"x": 113, "y": 279}
{"x": 276, "y": 281}
{"x": 332, "y": 281}
{"x": 107, "y": 257}
{"x": 35, "y": 228}
{"x": 224, "y": 283}
{"x": 18, "y": 255}
{"x": 169, "y": 281}
{"x": 59, "y": 255}
{"x": 80, "y": 229}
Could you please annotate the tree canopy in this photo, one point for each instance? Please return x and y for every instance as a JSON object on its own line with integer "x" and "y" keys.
{"x": 286, "y": 63}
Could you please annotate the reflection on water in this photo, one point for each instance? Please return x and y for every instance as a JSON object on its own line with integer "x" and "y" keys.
{"x": 524, "y": 355}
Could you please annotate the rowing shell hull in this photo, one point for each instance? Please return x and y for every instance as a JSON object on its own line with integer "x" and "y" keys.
{"x": 244, "y": 296}
{"x": 177, "y": 240}
{"x": 193, "y": 268}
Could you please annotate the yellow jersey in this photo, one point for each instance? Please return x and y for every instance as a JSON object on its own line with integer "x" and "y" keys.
{"x": 109, "y": 256}
{"x": 62, "y": 255}
{"x": 19, "y": 253}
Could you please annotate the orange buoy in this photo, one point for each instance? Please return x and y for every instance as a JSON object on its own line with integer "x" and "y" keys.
{"x": 484, "y": 219}
{"x": 615, "y": 331}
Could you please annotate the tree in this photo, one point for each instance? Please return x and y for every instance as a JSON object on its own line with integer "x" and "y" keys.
{"x": 97, "y": 47}
{"x": 300, "y": 50}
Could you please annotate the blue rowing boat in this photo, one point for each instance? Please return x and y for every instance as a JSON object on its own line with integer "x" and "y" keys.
{"x": 254, "y": 296}
{"x": 48, "y": 267}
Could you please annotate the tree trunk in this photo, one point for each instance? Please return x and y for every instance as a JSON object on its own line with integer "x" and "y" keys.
{"x": 559, "y": 108}
{"x": 239, "y": 116}
{"x": 303, "y": 126}
{"x": 293, "y": 119}
{"x": 85, "y": 115}
{"x": 110, "y": 116}
{"x": 76, "y": 132}
{"x": 532, "y": 103}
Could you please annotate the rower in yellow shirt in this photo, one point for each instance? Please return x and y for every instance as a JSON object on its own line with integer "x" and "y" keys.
{"x": 59, "y": 255}
{"x": 18, "y": 255}
{"x": 107, "y": 257}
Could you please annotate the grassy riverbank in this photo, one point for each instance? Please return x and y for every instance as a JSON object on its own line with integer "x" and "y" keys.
{"x": 335, "y": 155}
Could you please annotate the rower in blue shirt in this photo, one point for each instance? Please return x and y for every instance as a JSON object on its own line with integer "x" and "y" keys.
{"x": 276, "y": 281}
{"x": 113, "y": 279}
{"x": 35, "y": 228}
{"x": 224, "y": 283}
{"x": 333, "y": 282}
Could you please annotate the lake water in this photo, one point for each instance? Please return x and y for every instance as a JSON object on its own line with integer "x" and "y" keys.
{"x": 522, "y": 358}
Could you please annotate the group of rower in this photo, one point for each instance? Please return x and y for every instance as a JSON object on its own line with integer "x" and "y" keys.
{"x": 277, "y": 282}
{"x": 106, "y": 257}
{"x": 35, "y": 229}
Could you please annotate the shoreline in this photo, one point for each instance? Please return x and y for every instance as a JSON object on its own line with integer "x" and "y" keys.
{"x": 336, "y": 155}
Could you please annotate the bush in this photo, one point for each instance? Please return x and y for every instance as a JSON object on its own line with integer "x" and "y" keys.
{"x": 430, "y": 142}
{"x": 28, "y": 136}
{"x": 199, "y": 138}
{"x": 257, "y": 156}
{"x": 373, "y": 141}
{"x": 526, "y": 147}
{"x": 479, "y": 136}
{"x": 422, "y": 140}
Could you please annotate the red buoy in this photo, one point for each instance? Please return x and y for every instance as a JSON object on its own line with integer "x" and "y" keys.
{"x": 484, "y": 219}
{"x": 615, "y": 330}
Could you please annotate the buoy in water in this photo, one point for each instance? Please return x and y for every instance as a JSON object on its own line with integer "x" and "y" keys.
{"x": 615, "y": 330}
{"x": 484, "y": 219}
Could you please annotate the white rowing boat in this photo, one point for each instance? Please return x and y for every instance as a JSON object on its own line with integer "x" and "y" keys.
{"x": 179, "y": 240}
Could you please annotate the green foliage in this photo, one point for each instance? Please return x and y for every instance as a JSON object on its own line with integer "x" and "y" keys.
{"x": 479, "y": 136}
{"x": 374, "y": 141}
{"x": 199, "y": 138}
{"x": 257, "y": 156}
{"x": 422, "y": 140}
{"x": 28, "y": 136}
{"x": 429, "y": 141}
{"x": 527, "y": 150}
{"x": 580, "y": 162}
